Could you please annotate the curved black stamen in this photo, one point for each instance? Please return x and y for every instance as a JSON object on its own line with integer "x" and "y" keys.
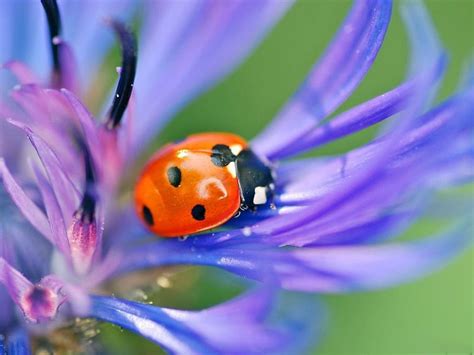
{"x": 54, "y": 23}
{"x": 86, "y": 210}
{"x": 127, "y": 74}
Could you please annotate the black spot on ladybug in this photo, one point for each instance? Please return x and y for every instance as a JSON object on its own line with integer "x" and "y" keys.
{"x": 148, "y": 216}
{"x": 174, "y": 176}
{"x": 222, "y": 155}
{"x": 199, "y": 212}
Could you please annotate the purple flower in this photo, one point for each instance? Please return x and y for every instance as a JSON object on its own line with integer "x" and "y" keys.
{"x": 330, "y": 217}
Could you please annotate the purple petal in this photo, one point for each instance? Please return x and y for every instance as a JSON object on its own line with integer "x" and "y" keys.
{"x": 343, "y": 269}
{"x": 208, "y": 331}
{"x": 86, "y": 121}
{"x": 22, "y": 72}
{"x": 20, "y": 244}
{"x": 187, "y": 46}
{"x": 29, "y": 209}
{"x": 424, "y": 40}
{"x": 10, "y": 142}
{"x": 357, "y": 118}
{"x": 65, "y": 191}
{"x": 333, "y": 78}
{"x": 55, "y": 217}
{"x": 48, "y": 114}
{"x": 69, "y": 70}
{"x": 15, "y": 283}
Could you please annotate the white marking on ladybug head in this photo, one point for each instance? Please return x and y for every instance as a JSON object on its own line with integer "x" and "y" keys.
{"x": 260, "y": 197}
{"x": 235, "y": 149}
{"x": 231, "y": 169}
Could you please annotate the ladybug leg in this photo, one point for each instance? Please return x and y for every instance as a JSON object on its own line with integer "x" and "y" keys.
{"x": 256, "y": 180}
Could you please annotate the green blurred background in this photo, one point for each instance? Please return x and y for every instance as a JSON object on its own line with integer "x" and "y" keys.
{"x": 434, "y": 315}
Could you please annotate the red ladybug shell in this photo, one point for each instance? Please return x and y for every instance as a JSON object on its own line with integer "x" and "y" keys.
{"x": 183, "y": 190}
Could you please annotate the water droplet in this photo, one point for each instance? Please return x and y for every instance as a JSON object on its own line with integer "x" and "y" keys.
{"x": 237, "y": 215}
{"x": 247, "y": 231}
{"x": 163, "y": 281}
{"x": 183, "y": 238}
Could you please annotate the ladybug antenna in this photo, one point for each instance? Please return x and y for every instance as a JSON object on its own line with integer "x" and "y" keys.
{"x": 127, "y": 73}
{"x": 86, "y": 210}
{"x": 54, "y": 23}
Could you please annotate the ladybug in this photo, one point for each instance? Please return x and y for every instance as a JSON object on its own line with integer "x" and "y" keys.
{"x": 200, "y": 183}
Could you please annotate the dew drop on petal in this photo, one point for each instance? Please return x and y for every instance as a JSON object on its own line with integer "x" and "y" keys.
{"x": 247, "y": 231}
{"x": 163, "y": 282}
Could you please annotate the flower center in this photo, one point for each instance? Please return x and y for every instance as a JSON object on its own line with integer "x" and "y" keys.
{"x": 39, "y": 303}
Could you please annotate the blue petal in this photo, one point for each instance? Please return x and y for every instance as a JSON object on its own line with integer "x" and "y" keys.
{"x": 237, "y": 326}
{"x": 425, "y": 49}
{"x": 8, "y": 311}
{"x": 18, "y": 343}
{"x": 356, "y": 268}
{"x": 321, "y": 269}
{"x": 332, "y": 79}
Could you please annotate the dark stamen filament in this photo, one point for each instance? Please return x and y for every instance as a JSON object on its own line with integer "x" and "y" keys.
{"x": 54, "y": 24}
{"x": 86, "y": 211}
{"x": 127, "y": 74}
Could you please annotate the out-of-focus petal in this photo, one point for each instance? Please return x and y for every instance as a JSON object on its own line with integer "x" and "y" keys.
{"x": 69, "y": 71}
{"x": 425, "y": 48}
{"x": 332, "y": 79}
{"x": 23, "y": 74}
{"x": 357, "y": 118}
{"x": 18, "y": 343}
{"x": 65, "y": 190}
{"x": 210, "y": 331}
{"x": 20, "y": 244}
{"x": 8, "y": 313}
{"x": 15, "y": 283}
{"x": 352, "y": 268}
{"x": 188, "y": 45}
{"x": 29, "y": 209}
{"x": 55, "y": 217}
